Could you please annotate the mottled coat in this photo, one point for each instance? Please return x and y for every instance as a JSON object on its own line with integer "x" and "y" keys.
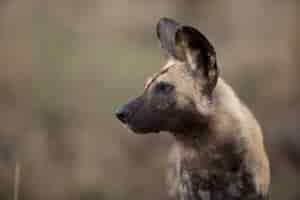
{"x": 218, "y": 151}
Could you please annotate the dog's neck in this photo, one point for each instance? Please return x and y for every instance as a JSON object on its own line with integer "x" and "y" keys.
{"x": 226, "y": 149}
{"x": 224, "y": 120}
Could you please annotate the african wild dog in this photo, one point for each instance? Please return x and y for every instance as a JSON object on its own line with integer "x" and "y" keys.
{"x": 218, "y": 153}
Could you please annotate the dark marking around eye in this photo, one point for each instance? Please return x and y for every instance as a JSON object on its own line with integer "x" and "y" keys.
{"x": 164, "y": 87}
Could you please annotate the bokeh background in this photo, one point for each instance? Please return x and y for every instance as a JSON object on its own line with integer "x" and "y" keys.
{"x": 66, "y": 65}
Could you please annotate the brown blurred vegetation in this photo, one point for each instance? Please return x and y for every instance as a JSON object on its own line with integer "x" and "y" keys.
{"x": 67, "y": 64}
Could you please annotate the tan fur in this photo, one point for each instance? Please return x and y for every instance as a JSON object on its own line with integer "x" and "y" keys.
{"x": 246, "y": 129}
{"x": 218, "y": 153}
{"x": 232, "y": 122}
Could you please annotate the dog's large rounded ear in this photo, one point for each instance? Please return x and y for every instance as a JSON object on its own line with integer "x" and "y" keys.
{"x": 194, "y": 48}
{"x": 166, "y": 30}
{"x": 188, "y": 45}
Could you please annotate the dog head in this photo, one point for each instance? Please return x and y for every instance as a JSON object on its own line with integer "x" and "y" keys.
{"x": 178, "y": 98}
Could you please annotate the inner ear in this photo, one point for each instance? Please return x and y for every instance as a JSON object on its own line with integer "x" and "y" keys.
{"x": 194, "y": 48}
{"x": 188, "y": 45}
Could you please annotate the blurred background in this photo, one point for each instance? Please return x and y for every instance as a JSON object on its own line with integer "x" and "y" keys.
{"x": 66, "y": 65}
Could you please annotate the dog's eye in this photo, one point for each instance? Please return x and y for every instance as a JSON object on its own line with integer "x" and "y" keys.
{"x": 163, "y": 87}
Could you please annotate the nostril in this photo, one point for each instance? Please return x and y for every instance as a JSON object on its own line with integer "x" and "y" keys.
{"x": 121, "y": 117}
{"x": 122, "y": 114}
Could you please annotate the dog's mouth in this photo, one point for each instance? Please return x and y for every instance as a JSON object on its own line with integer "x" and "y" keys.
{"x": 130, "y": 124}
{"x": 139, "y": 124}
{"x": 138, "y": 130}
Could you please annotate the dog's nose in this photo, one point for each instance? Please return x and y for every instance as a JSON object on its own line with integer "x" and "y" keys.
{"x": 123, "y": 114}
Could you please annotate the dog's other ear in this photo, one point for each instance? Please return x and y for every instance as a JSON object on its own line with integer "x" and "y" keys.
{"x": 166, "y": 30}
{"x": 194, "y": 48}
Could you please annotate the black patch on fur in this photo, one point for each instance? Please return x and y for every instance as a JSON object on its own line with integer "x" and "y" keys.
{"x": 227, "y": 179}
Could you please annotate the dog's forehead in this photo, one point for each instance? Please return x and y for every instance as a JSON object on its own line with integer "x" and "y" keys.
{"x": 163, "y": 70}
